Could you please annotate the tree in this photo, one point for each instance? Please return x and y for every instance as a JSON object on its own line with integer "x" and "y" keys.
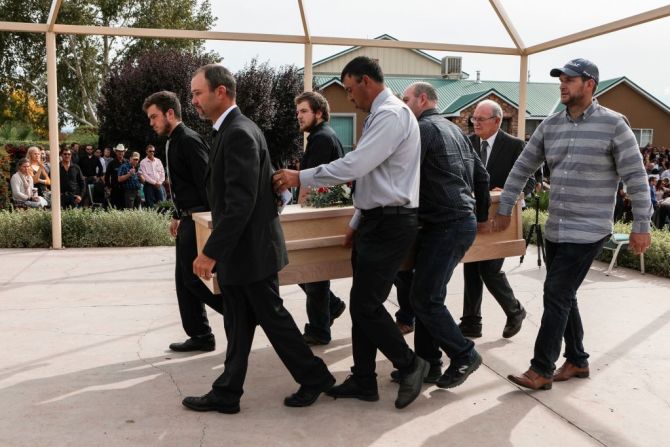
{"x": 120, "y": 105}
{"x": 254, "y": 93}
{"x": 266, "y": 96}
{"x": 284, "y": 137}
{"x": 84, "y": 61}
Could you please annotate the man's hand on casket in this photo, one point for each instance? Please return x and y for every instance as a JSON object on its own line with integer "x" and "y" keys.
{"x": 485, "y": 227}
{"x": 500, "y": 222}
{"x": 203, "y": 266}
{"x": 284, "y": 179}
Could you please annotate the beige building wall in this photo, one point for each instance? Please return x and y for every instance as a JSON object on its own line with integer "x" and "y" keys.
{"x": 640, "y": 111}
{"x": 337, "y": 99}
{"x": 394, "y": 61}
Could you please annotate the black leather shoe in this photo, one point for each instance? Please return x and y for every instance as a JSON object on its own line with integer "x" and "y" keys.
{"x": 470, "y": 330}
{"x": 434, "y": 373}
{"x": 338, "y": 312}
{"x": 350, "y": 389}
{"x": 513, "y": 325}
{"x": 410, "y": 385}
{"x": 209, "y": 402}
{"x": 314, "y": 341}
{"x": 194, "y": 344}
{"x": 457, "y": 373}
{"x": 305, "y": 396}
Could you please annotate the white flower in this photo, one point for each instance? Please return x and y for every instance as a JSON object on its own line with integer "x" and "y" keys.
{"x": 347, "y": 191}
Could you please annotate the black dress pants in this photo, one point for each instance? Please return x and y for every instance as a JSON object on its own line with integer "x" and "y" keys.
{"x": 259, "y": 303}
{"x": 381, "y": 244}
{"x": 476, "y": 274}
{"x": 192, "y": 294}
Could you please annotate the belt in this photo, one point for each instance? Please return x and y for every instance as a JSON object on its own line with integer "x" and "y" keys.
{"x": 188, "y": 212}
{"x": 388, "y": 211}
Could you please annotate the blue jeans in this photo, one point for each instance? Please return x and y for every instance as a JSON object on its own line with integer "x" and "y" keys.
{"x": 152, "y": 194}
{"x": 439, "y": 249}
{"x": 567, "y": 266}
{"x": 321, "y": 304}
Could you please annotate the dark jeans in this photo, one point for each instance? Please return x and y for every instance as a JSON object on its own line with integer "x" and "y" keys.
{"x": 567, "y": 266}
{"x": 321, "y": 303}
{"x": 152, "y": 194}
{"x": 192, "y": 294}
{"x": 117, "y": 198}
{"x": 403, "y": 286}
{"x": 475, "y": 275}
{"x": 439, "y": 249}
{"x": 132, "y": 198}
{"x": 381, "y": 244}
{"x": 259, "y": 303}
{"x": 67, "y": 201}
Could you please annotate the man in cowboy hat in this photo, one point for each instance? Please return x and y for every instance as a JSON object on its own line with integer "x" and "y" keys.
{"x": 116, "y": 198}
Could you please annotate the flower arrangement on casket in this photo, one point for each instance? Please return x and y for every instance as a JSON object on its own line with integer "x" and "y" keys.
{"x": 325, "y": 196}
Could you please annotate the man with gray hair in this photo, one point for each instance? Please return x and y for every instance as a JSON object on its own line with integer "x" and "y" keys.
{"x": 498, "y": 150}
{"x": 449, "y": 218}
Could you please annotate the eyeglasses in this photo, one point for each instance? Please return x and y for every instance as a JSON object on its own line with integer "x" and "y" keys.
{"x": 136, "y": 159}
{"x": 150, "y": 152}
{"x": 477, "y": 119}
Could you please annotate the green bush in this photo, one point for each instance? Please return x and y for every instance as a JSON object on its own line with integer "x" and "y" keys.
{"x": 85, "y": 228}
{"x": 656, "y": 259}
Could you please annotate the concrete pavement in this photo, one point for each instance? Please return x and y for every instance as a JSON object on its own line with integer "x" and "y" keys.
{"x": 85, "y": 363}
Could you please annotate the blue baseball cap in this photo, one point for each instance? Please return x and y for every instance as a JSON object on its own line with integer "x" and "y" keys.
{"x": 577, "y": 67}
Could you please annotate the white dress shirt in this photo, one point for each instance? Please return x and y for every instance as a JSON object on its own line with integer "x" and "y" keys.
{"x": 385, "y": 164}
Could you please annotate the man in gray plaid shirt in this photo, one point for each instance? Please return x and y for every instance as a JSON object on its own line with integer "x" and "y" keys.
{"x": 588, "y": 149}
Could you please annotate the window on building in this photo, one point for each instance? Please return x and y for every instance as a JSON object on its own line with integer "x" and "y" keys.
{"x": 344, "y": 126}
{"x": 644, "y": 136}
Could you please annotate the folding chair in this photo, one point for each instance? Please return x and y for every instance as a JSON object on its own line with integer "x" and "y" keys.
{"x": 615, "y": 243}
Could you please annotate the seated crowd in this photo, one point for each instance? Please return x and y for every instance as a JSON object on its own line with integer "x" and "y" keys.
{"x": 90, "y": 177}
{"x": 657, "y": 165}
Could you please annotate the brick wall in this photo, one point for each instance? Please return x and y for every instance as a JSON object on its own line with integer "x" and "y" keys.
{"x": 510, "y": 117}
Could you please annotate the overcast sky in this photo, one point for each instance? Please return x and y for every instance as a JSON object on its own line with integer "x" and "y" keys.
{"x": 641, "y": 53}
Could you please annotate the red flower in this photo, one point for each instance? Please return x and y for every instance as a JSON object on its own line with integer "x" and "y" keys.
{"x": 322, "y": 190}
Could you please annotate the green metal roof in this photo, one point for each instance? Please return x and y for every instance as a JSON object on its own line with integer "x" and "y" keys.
{"x": 455, "y": 95}
{"x": 543, "y": 98}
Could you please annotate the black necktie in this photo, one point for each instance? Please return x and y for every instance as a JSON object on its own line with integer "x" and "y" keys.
{"x": 484, "y": 151}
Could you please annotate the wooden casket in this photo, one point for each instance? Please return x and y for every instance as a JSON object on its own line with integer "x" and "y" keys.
{"x": 314, "y": 238}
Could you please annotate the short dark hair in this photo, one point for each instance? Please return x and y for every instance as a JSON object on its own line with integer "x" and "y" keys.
{"x": 424, "y": 87}
{"x": 317, "y": 103}
{"x": 363, "y": 65}
{"x": 217, "y": 75}
{"x": 165, "y": 101}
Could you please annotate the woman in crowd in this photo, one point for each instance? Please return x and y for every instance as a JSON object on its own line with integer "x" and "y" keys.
{"x": 38, "y": 171}
{"x": 23, "y": 191}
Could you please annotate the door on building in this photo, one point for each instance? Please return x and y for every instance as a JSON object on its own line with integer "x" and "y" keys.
{"x": 343, "y": 125}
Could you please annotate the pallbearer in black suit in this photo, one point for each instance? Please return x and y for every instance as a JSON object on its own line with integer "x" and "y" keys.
{"x": 186, "y": 161}
{"x": 323, "y": 146}
{"x": 498, "y": 151}
{"x": 247, "y": 249}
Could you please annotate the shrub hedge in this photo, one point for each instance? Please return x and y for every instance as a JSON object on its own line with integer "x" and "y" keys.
{"x": 85, "y": 228}
{"x": 656, "y": 259}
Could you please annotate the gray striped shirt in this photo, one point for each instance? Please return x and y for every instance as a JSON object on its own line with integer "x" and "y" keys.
{"x": 586, "y": 156}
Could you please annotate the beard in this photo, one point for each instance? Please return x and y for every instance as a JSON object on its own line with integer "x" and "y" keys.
{"x": 308, "y": 126}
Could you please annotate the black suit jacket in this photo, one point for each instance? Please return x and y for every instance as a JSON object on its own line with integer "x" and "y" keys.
{"x": 506, "y": 149}
{"x": 247, "y": 240}
{"x": 187, "y": 159}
